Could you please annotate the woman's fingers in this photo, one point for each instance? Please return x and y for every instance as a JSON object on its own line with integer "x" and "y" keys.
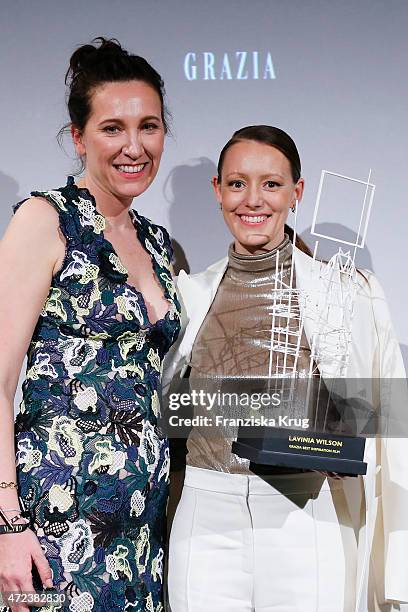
{"x": 14, "y": 598}
{"x": 43, "y": 566}
{"x": 28, "y": 587}
{"x": 20, "y": 554}
{"x": 334, "y": 475}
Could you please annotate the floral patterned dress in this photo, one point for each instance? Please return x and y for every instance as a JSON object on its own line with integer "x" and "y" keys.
{"x": 92, "y": 466}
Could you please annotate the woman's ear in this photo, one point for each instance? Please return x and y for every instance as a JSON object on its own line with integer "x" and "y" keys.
{"x": 77, "y": 139}
{"x": 300, "y": 185}
{"x": 217, "y": 188}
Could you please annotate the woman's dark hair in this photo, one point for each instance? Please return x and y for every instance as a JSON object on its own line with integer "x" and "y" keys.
{"x": 269, "y": 135}
{"x": 277, "y": 138}
{"x": 105, "y": 61}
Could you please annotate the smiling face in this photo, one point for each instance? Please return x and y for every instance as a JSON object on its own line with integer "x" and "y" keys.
{"x": 256, "y": 192}
{"x": 123, "y": 139}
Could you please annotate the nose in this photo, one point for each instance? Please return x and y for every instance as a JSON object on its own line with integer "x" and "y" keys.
{"x": 254, "y": 197}
{"x": 133, "y": 146}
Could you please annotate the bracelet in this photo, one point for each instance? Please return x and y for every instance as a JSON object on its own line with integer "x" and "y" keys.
{"x": 10, "y": 525}
{"x": 10, "y": 485}
{"x": 14, "y": 528}
{"x": 10, "y": 521}
{"x": 11, "y": 509}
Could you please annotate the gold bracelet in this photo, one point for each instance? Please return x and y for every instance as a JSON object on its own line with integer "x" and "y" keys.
{"x": 10, "y": 485}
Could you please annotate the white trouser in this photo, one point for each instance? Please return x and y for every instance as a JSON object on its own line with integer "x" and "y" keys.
{"x": 240, "y": 544}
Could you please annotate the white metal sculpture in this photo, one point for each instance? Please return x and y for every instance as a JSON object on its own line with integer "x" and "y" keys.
{"x": 332, "y": 311}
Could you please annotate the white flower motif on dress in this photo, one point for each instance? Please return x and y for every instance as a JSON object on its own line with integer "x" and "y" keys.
{"x": 54, "y": 305}
{"x": 106, "y": 458}
{"x": 128, "y": 304}
{"x": 60, "y": 498}
{"x": 157, "y": 566}
{"x": 118, "y": 562}
{"x": 76, "y": 353}
{"x": 117, "y": 264}
{"x": 66, "y": 439}
{"x": 171, "y": 288}
{"x": 78, "y": 265}
{"x": 158, "y": 235}
{"x": 129, "y": 341}
{"x": 27, "y": 456}
{"x": 51, "y": 608}
{"x": 150, "y": 605}
{"x": 91, "y": 274}
{"x": 149, "y": 447}
{"x": 143, "y": 548}
{"x": 165, "y": 468}
{"x": 137, "y": 503}
{"x": 42, "y": 367}
{"x": 58, "y": 198}
{"x": 173, "y": 312}
{"x": 160, "y": 260}
{"x": 154, "y": 359}
{"x": 84, "y": 303}
{"x": 89, "y": 216}
{"x": 155, "y": 403}
{"x": 85, "y": 399}
{"x": 129, "y": 369}
{"x": 82, "y": 603}
{"x": 76, "y": 546}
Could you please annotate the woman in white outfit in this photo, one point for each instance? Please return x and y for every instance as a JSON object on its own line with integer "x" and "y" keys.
{"x": 290, "y": 541}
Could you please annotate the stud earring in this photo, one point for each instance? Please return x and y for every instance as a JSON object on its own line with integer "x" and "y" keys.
{"x": 293, "y": 208}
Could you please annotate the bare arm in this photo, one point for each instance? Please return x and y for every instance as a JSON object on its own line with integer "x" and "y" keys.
{"x": 30, "y": 252}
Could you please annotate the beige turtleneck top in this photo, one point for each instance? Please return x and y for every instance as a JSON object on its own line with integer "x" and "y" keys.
{"x": 234, "y": 341}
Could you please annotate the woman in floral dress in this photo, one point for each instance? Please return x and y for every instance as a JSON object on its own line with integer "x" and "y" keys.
{"x": 86, "y": 286}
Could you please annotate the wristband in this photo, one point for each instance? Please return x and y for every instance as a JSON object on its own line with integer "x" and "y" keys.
{"x": 10, "y": 523}
{"x": 14, "y": 528}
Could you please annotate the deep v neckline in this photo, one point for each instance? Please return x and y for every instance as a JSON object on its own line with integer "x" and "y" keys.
{"x": 136, "y": 223}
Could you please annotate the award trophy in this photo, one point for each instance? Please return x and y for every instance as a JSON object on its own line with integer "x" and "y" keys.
{"x": 315, "y": 311}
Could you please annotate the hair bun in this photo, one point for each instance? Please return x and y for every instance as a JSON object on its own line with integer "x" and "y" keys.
{"x": 86, "y": 57}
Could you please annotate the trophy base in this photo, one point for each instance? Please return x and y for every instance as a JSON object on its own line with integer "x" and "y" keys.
{"x": 313, "y": 451}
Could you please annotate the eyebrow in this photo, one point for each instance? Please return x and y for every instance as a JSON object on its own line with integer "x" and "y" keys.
{"x": 118, "y": 120}
{"x": 264, "y": 176}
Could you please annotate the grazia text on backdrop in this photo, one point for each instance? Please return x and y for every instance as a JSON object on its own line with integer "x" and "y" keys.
{"x": 229, "y": 66}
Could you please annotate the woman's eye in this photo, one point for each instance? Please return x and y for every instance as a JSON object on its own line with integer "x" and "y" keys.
{"x": 271, "y": 184}
{"x": 149, "y": 127}
{"x": 237, "y": 184}
{"x": 111, "y": 129}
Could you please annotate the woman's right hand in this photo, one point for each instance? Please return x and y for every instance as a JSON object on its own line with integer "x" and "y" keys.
{"x": 18, "y": 553}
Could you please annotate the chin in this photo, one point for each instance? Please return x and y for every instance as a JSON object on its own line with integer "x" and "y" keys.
{"x": 131, "y": 190}
{"x": 254, "y": 241}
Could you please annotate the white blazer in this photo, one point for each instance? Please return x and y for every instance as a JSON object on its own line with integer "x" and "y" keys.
{"x": 375, "y": 354}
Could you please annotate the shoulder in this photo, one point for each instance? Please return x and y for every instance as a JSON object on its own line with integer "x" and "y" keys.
{"x": 32, "y": 236}
{"x": 370, "y": 288}
{"x": 46, "y": 202}
{"x": 213, "y": 269}
{"x": 208, "y": 279}
{"x": 36, "y": 215}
